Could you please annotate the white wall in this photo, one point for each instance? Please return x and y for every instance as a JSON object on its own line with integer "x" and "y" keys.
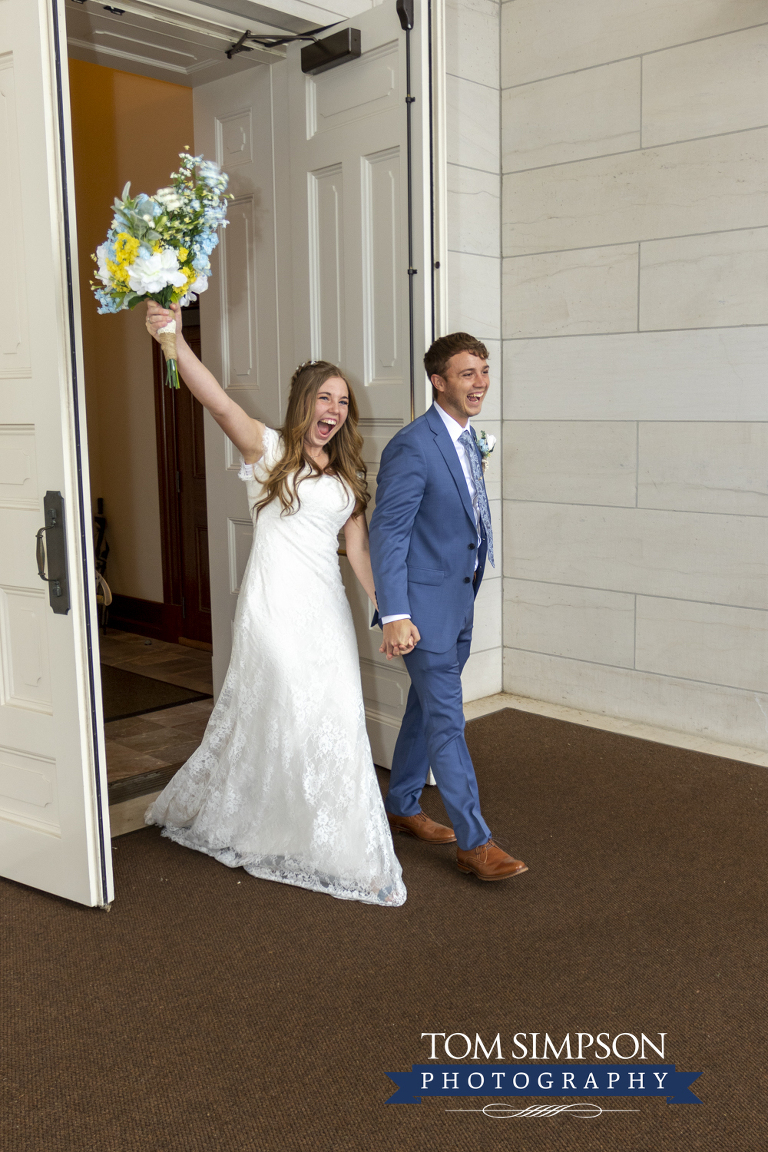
{"x": 474, "y": 269}
{"x": 634, "y": 314}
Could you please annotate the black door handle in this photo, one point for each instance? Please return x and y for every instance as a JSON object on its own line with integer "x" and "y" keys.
{"x": 40, "y": 554}
{"x": 51, "y": 540}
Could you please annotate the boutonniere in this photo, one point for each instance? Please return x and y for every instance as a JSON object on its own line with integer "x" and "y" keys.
{"x": 486, "y": 445}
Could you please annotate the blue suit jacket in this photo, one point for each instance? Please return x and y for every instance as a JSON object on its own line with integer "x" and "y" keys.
{"x": 423, "y": 534}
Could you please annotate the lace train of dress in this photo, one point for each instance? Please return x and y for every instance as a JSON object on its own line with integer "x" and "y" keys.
{"x": 283, "y": 784}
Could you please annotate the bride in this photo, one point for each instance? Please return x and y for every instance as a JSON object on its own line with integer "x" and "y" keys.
{"x": 283, "y": 784}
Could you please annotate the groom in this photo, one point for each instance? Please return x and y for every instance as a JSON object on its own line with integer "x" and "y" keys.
{"x": 430, "y": 537}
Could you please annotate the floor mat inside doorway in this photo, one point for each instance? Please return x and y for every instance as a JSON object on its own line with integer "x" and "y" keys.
{"x": 129, "y": 694}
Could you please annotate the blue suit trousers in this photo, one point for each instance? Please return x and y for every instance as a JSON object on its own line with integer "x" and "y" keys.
{"x": 432, "y": 733}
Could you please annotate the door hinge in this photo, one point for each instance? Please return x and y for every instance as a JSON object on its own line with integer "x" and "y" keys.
{"x": 183, "y": 608}
{"x": 178, "y": 481}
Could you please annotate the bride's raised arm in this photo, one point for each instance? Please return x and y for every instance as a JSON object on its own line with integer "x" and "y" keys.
{"x": 244, "y": 432}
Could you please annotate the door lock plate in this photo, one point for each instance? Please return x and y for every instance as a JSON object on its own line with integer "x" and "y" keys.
{"x": 52, "y": 551}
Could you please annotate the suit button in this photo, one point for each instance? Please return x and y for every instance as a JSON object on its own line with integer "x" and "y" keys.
{"x": 467, "y": 579}
{"x": 472, "y": 547}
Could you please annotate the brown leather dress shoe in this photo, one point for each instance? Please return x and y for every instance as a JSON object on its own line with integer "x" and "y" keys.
{"x": 422, "y": 828}
{"x": 489, "y": 862}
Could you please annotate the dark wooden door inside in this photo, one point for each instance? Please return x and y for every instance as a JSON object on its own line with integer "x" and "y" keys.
{"x": 183, "y": 512}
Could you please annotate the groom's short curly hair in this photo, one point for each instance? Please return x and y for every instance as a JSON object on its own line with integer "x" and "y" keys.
{"x": 437, "y": 357}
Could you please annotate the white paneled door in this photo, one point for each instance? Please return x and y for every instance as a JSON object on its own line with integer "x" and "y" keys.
{"x": 52, "y": 772}
{"x": 316, "y": 264}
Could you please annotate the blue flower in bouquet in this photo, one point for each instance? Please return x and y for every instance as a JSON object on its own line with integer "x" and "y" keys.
{"x": 146, "y": 207}
{"x": 208, "y": 242}
{"x": 211, "y": 174}
{"x": 106, "y": 301}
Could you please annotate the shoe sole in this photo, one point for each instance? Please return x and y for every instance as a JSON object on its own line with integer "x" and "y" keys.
{"x": 509, "y": 876}
{"x": 407, "y": 832}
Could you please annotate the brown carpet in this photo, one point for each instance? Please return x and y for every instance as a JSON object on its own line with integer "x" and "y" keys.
{"x": 211, "y": 1012}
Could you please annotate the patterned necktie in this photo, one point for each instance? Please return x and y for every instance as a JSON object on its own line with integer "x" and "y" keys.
{"x": 470, "y": 447}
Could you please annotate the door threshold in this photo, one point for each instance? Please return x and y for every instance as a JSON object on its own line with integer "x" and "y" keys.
{"x": 130, "y": 798}
{"x": 128, "y": 815}
{"x": 141, "y": 784}
{"x": 202, "y": 645}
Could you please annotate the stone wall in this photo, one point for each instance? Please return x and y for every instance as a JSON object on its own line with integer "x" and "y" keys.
{"x": 634, "y": 321}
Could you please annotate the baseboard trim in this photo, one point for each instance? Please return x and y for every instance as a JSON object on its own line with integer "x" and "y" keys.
{"x": 201, "y": 645}
{"x": 675, "y": 739}
{"x": 145, "y": 617}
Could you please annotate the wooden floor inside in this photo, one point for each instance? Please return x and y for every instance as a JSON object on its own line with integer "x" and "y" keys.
{"x": 157, "y": 740}
{"x": 173, "y": 663}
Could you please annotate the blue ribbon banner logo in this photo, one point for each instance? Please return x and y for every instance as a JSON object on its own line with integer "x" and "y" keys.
{"x": 543, "y": 1080}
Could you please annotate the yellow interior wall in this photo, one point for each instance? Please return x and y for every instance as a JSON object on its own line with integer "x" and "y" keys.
{"x": 124, "y": 127}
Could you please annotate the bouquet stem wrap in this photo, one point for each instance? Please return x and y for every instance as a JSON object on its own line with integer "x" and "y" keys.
{"x": 167, "y": 340}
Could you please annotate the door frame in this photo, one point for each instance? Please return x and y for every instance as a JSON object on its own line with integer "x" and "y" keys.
{"x": 438, "y": 169}
{"x": 89, "y": 687}
{"x": 170, "y": 486}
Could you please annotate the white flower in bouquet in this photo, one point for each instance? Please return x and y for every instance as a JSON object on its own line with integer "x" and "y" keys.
{"x": 169, "y": 198}
{"x": 155, "y": 272}
{"x": 101, "y": 259}
{"x": 200, "y": 285}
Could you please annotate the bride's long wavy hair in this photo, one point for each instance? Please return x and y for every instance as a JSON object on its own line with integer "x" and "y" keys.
{"x": 344, "y": 450}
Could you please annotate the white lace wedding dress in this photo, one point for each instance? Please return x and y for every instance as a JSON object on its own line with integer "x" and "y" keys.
{"x": 283, "y": 784}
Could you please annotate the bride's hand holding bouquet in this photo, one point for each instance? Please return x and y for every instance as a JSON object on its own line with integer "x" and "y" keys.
{"x": 165, "y": 324}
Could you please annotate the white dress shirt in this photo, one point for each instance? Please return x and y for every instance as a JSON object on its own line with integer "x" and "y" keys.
{"x": 454, "y": 431}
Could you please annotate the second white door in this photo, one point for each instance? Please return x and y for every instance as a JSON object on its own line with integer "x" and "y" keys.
{"x": 315, "y": 265}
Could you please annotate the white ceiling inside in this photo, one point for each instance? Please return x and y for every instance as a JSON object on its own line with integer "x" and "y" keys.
{"x": 184, "y": 41}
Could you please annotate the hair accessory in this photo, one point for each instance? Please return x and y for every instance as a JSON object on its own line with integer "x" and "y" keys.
{"x": 301, "y": 367}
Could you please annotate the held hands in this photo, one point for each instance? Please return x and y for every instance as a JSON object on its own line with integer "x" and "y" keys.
{"x": 400, "y": 638}
{"x": 158, "y": 317}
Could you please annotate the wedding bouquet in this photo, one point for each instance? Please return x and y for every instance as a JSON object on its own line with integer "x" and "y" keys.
{"x": 158, "y": 247}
